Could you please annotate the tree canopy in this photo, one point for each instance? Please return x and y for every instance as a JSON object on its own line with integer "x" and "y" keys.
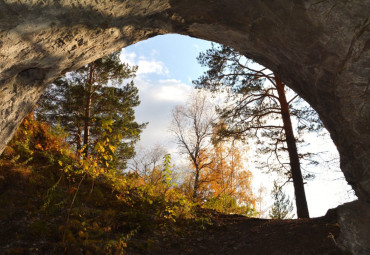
{"x": 282, "y": 207}
{"x": 85, "y": 102}
{"x": 262, "y": 107}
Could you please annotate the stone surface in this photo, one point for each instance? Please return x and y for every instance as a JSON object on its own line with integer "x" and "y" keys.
{"x": 354, "y": 222}
{"x": 320, "y": 48}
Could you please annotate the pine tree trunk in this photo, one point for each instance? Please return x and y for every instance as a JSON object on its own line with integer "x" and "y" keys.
{"x": 89, "y": 85}
{"x": 78, "y": 141}
{"x": 300, "y": 196}
{"x": 87, "y": 123}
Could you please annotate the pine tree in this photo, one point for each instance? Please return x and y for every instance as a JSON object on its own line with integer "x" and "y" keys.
{"x": 260, "y": 110}
{"x": 282, "y": 207}
{"x": 83, "y": 100}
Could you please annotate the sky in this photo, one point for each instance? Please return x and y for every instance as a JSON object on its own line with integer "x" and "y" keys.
{"x": 166, "y": 67}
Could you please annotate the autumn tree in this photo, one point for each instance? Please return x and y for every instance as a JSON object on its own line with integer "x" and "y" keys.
{"x": 83, "y": 101}
{"x": 282, "y": 207}
{"x": 192, "y": 128}
{"x": 226, "y": 178}
{"x": 35, "y": 143}
{"x": 259, "y": 107}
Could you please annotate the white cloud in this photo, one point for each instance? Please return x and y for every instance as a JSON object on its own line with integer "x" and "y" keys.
{"x": 146, "y": 66}
{"x": 151, "y": 66}
{"x": 171, "y": 90}
{"x": 128, "y": 57}
{"x": 158, "y": 98}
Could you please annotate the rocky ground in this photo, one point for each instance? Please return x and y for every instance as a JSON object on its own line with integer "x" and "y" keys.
{"x": 235, "y": 234}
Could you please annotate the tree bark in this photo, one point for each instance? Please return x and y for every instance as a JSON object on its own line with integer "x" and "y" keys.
{"x": 78, "y": 141}
{"x": 300, "y": 196}
{"x": 196, "y": 182}
{"x": 89, "y": 85}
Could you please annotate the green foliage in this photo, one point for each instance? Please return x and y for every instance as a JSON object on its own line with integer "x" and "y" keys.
{"x": 167, "y": 172}
{"x": 283, "y": 207}
{"x": 76, "y": 203}
{"x": 228, "y": 204}
{"x": 84, "y": 101}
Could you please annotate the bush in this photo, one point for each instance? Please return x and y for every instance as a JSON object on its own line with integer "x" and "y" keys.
{"x": 227, "y": 204}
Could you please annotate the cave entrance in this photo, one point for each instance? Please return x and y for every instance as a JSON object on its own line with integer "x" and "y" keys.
{"x": 167, "y": 67}
{"x": 319, "y": 49}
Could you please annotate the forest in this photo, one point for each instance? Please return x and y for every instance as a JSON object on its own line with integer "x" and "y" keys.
{"x": 73, "y": 182}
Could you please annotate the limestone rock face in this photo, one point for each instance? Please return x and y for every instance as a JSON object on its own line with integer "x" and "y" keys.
{"x": 321, "y": 49}
{"x": 354, "y": 221}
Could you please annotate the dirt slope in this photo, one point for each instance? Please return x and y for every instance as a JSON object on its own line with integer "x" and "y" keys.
{"x": 234, "y": 234}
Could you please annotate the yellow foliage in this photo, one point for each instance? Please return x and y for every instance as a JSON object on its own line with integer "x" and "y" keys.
{"x": 226, "y": 174}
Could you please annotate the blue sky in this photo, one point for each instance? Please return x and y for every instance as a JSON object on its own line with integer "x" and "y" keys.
{"x": 167, "y": 65}
{"x": 177, "y": 55}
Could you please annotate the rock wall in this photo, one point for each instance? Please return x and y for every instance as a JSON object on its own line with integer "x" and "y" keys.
{"x": 354, "y": 222}
{"x": 321, "y": 49}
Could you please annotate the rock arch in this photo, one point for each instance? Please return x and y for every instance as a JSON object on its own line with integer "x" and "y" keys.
{"x": 321, "y": 49}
